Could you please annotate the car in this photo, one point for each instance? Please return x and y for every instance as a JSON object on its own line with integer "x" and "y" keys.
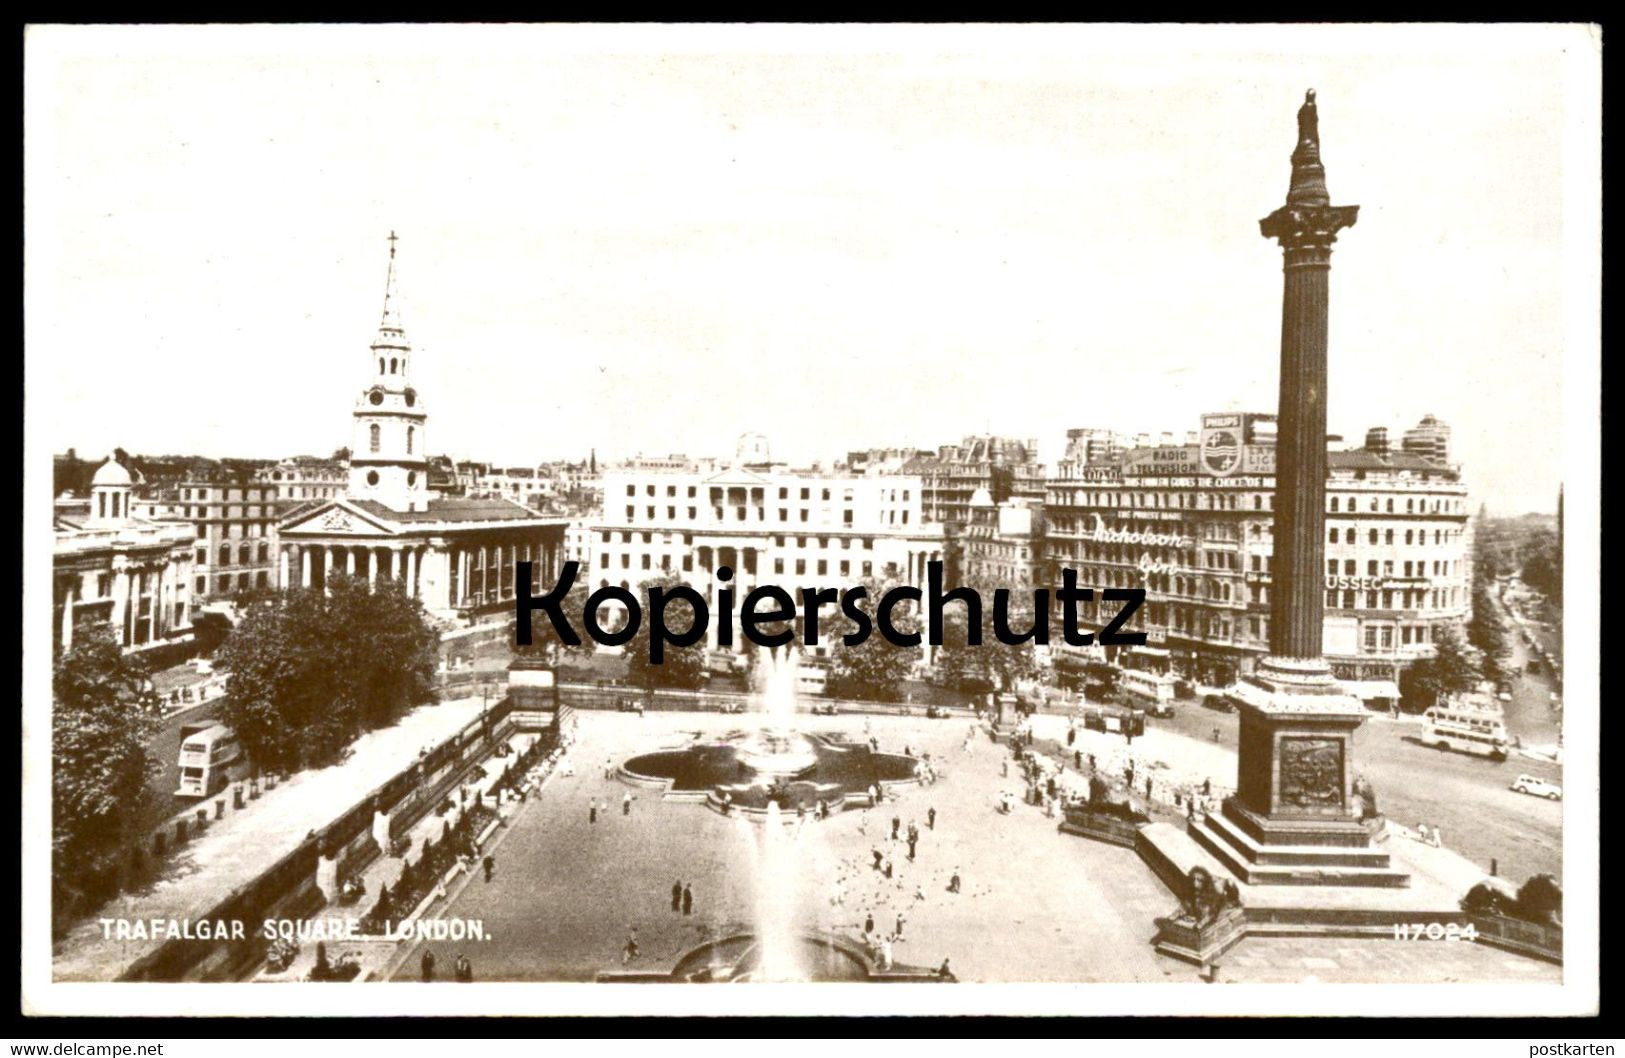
{"x": 1528, "y": 784}
{"x": 1218, "y": 702}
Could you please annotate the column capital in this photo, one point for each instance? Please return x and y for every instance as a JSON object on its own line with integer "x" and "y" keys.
{"x": 1308, "y": 227}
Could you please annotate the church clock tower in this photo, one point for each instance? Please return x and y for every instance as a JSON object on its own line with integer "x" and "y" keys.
{"x": 387, "y": 460}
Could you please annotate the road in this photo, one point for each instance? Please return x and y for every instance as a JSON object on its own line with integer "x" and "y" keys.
{"x": 1466, "y": 796}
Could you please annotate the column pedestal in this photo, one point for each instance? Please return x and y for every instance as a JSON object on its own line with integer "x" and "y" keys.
{"x": 1294, "y": 819}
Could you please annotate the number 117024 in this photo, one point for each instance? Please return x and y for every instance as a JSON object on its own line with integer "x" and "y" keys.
{"x": 1434, "y": 931}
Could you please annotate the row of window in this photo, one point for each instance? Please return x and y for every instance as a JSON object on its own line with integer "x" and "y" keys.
{"x": 1439, "y": 568}
{"x": 221, "y": 512}
{"x": 1350, "y": 536}
{"x": 227, "y": 495}
{"x": 244, "y": 554}
{"x": 743, "y": 514}
{"x": 226, "y": 582}
{"x": 1258, "y": 501}
{"x": 375, "y": 438}
{"x": 865, "y": 543}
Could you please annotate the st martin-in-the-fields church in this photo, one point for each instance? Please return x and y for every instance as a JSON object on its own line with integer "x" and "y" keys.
{"x": 456, "y": 555}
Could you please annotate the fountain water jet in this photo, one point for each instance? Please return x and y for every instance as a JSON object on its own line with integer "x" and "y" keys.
{"x": 776, "y": 749}
{"x": 777, "y": 874}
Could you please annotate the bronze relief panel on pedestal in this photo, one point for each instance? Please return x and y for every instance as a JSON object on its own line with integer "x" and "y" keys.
{"x": 1311, "y": 772}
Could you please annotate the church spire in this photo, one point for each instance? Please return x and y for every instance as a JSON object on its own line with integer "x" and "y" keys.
{"x": 391, "y": 333}
{"x": 386, "y": 457}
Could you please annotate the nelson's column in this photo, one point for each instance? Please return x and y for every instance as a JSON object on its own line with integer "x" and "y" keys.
{"x": 1294, "y": 819}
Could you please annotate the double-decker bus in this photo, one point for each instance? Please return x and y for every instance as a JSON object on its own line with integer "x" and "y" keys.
{"x": 208, "y": 750}
{"x": 1154, "y": 688}
{"x": 1467, "y": 726}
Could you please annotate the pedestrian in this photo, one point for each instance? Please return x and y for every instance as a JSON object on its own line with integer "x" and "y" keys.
{"x": 1148, "y": 787}
{"x": 609, "y": 767}
{"x": 886, "y": 870}
{"x": 427, "y": 965}
{"x": 878, "y": 858}
{"x": 1435, "y": 839}
{"x": 630, "y": 951}
{"x": 899, "y": 925}
{"x": 868, "y": 924}
{"x": 1207, "y": 787}
{"x": 490, "y": 867}
{"x": 1421, "y": 832}
{"x": 911, "y": 842}
{"x": 931, "y": 817}
{"x": 1071, "y": 735}
{"x": 677, "y": 896}
{"x": 896, "y": 824}
{"x": 592, "y": 810}
{"x": 953, "y": 881}
{"x": 688, "y": 900}
{"x": 626, "y": 803}
{"x": 945, "y": 973}
{"x": 462, "y": 969}
{"x": 1091, "y": 764}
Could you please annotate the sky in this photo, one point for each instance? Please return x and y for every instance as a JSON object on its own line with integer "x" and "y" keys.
{"x": 654, "y": 239}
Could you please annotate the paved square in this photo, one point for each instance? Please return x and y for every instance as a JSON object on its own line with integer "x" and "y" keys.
{"x": 1036, "y": 905}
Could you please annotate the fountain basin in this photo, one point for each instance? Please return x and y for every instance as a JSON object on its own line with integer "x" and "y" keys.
{"x": 756, "y": 768}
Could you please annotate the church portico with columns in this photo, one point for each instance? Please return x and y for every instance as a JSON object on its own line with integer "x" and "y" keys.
{"x": 458, "y": 556}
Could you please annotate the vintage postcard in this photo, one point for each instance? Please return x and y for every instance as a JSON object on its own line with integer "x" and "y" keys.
{"x": 1053, "y": 519}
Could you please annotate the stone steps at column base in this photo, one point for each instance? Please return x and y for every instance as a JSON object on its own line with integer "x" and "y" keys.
{"x": 1258, "y": 853}
{"x": 1288, "y": 873}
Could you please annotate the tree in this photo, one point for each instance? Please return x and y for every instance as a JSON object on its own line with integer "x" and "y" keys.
{"x": 1543, "y": 564}
{"x": 545, "y": 642}
{"x": 104, "y": 713}
{"x": 1452, "y": 670}
{"x": 876, "y": 669}
{"x": 1487, "y": 631}
{"x": 313, "y": 670}
{"x": 681, "y": 667}
{"x": 991, "y": 665}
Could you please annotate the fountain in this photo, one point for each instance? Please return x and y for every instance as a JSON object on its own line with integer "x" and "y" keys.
{"x": 774, "y": 763}
{"x": 777, "y": 953}
{"x": 759, "y": 775}
{"x": 775, "y": 750}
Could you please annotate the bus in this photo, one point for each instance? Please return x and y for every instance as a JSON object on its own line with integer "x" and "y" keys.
{"x": 812, "y": 679}
{"x": 208, "y": 750}
{"x": 1467, "y": 727}
{"x": 1154, "y": 688}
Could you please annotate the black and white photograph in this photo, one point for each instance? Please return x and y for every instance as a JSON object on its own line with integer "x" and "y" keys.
{"x": 1057, "y": 519}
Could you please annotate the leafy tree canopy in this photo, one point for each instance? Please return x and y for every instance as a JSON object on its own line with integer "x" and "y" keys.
{"x": 104, "y": 714}
{"x": 680, "y": 667}
{"x": 313, "y": 670}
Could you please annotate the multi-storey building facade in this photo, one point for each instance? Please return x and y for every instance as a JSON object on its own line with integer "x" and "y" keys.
{"x": 1193, "y": 526}
{"x": 1429, "y": 439}
{"x": 234, "y": 516}
{"x": 113, "y": 568}
{"x": 772, "y": 525}
{"x": 1007, "y": 469}
{"x": 305, "y": 478}
{"x": 1003, "y": 544}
